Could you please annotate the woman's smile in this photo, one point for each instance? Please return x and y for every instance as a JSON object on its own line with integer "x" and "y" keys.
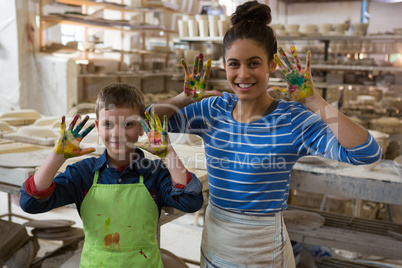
{"x": 245, "y": 87}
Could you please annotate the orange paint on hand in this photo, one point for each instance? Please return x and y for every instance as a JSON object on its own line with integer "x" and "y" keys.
{"x": 154, "y": 137}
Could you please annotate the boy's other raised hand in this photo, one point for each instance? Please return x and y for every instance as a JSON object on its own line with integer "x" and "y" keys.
{"x": 195, "y": 83}
{"x": 69, "y": 140}
{"x": 158, "y": 141}
{"x": 300, "y": 83}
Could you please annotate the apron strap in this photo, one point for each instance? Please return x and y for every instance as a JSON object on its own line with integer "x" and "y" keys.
{"x": 141, "y": 179}
{"x": 96, "y": 177}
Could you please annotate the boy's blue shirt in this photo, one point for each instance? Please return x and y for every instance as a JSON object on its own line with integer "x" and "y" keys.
{"x": 73, "y": 184}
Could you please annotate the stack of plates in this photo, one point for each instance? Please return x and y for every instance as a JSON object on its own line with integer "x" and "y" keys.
{"x": 55, "y": 230}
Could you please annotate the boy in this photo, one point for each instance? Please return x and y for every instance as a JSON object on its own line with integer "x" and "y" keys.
{"x": 119, "y": 195}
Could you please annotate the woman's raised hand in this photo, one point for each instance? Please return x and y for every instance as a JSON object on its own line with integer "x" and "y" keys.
{"x": 69, "y": 140}
{"x": 195, "y": 83}
{"x": 157, "y": 143}
{"x": 300, "y": 83}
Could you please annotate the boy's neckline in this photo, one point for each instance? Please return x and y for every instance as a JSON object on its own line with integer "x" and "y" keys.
{"x": 122, "y": 168}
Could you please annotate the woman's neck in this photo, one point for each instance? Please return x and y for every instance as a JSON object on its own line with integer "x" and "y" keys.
{"x": 247, "y": 111}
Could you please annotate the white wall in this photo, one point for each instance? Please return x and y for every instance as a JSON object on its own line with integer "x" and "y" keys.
{"x": 329, "y": 12}
{"x": 55, "y": 81}
{"x": 9, "y": 74}
{"x": 29, "y": 79}
{"x": 385, "y": 16}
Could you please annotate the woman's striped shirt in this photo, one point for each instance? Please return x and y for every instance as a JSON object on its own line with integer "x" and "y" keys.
{"x": 249, "y": 164}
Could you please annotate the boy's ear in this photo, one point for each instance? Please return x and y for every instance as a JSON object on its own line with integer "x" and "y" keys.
{"x": 272, "y": 66}
{"x": 97, "y": 124}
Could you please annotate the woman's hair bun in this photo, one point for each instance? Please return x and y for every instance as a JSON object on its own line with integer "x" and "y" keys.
{"x": 252, "y": 11}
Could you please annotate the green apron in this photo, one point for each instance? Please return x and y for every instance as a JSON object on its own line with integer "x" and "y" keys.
{"x": 120, "y": 222}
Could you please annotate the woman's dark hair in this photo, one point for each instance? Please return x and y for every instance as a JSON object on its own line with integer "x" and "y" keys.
{"x": 250, "y": 21}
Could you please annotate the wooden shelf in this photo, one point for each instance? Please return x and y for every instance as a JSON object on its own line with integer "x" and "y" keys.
{"x": 49, "y": 49}
{"x": 104, "y": 24}
{"x": 123, "y": 8}
{"x": 121, "y": 26}
{"x": 127, "y": 74}
{"x": 355, "y": 68}
{"x": 384, "y": 38}
{"x": 355, "y": 234}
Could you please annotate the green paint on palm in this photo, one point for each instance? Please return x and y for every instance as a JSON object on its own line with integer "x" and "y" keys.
{"x": 294, "y": 78}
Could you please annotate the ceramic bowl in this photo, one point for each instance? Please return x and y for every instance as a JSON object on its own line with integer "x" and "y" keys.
{"x": 307, "y": 28}
{"x": 371, "y": 166}
{"x": 398, "y": 31}
{"x": 341, "y": 27}
{"x": 277, "y": 27}
{"x": 398, "y": 165}
{"x": 324, "y": 28}
{"x": 360, "y": 27}
{"x": 292, "y": 27}
{"x": 387, "y": 124}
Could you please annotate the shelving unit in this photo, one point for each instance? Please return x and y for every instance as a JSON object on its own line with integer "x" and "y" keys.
{"x": 326, "y": 40}
{"x": 121, "y": 25}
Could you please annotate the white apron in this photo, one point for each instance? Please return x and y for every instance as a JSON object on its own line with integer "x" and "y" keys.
{"x": 238, "y": 240}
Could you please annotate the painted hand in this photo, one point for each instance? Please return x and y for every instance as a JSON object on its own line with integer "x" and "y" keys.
{"x": 157, "y": 143}
{"x": 69, "y": 141}
{"x": 300, "y": 83}
{"x": 195, "y": 84}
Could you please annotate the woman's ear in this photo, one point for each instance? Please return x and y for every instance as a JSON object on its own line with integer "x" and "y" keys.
{"x": 224, "y": 65}
{"x": 272, "y": 66}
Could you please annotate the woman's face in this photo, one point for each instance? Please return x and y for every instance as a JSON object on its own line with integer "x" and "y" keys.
{"x": 247, "y": 69}
{"x": 119, "y": 129}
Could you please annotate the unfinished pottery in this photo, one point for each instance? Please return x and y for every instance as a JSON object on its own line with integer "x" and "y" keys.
{"x": 6, "y": 128}
{"x": 46, "y": 121}
{"x": 34, "y": 135}
{"x": 20, "y": 117}
{"x": 302, "y": 220}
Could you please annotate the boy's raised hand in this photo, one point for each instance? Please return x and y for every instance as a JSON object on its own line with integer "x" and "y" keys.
{"x": 194, "y": 83}
{"x": 69, "y": 140}
{"x": 300, "y": 83}
{"x": 157, "y": 143}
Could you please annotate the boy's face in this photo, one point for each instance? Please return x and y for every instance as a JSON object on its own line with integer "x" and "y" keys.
{"x": 119, "y": 129}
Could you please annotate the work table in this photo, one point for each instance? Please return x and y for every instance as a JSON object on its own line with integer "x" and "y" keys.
{"x": 382, "y": 184}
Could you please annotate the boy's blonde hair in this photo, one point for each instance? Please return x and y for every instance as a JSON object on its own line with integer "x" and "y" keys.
{"x": 120, "y": 95}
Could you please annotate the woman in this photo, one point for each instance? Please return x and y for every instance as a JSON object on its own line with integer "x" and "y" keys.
{"x": 252, "y": 142}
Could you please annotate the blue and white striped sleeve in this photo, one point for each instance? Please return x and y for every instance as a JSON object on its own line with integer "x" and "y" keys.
{"x": 190, "y": 119}
{"x": 313, "y": 137}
